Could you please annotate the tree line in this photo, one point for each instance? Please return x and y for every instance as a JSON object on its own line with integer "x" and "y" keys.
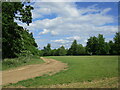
{"x": 18, "y": 41}
{"x": 94, "y": 46}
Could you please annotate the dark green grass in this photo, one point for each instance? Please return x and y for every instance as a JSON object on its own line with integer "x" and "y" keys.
{"x": 81, "y": 68}
{"x": 21, "y": 61}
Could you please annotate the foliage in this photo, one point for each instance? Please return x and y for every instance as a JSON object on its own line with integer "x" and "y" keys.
{"x": 21, "y": 61}
{"x": 16, "y": 39}
{"x": 97, "y": 45}
{"x": 54, "y": 52}
{"x": 80, "y": 49}
{"x": 101, "y": 45}
{"x": 76, "y": 49}
{"x": 106, "y": 48}
{"x": 47, "y": 50}
{"x": 112, "y": 47}
{"x": 28, "y": 43}
{"x": 61, "y": 51}
{"x": 92, "y": 45}
{"x": 117, "y": 43}
{"x": 73, "y": 49}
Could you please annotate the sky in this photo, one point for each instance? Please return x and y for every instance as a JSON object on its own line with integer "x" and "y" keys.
{"x": 59, "y": 23}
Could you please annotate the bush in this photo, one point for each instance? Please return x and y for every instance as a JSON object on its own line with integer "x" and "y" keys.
{"x": 14, "y": 62}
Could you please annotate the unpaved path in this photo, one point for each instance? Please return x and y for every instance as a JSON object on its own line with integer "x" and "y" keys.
{"x": 50, "y": 66}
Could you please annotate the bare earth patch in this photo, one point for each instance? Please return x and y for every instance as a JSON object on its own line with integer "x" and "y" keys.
{"x": 50, "y": 67}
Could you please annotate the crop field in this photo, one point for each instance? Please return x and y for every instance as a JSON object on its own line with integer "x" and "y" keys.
{"x": 82, "y": 72}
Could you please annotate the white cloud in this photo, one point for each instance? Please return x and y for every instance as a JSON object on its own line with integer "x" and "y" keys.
{"x": 61, "y": 8}
{"x": 54, "y": 33}
{"x": 106, "y": 10}
{"x": 60, "y": 41}
{"x": 45, "y": 31}
{"x": 74, "y": 38}
{"x": 79, "y": 23}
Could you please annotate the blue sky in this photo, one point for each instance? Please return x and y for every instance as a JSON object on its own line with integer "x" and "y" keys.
{"x": 59, "y": 23}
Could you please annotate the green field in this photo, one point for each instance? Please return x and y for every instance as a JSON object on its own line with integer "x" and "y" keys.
{"x": 80, "y": 69}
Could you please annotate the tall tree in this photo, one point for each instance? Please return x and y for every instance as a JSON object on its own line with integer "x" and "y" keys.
{"x": 80, "y": 49}
{"x": 102, "y": 46}
{"x": 106, "y": 48}
{"x": 97, "y": 45}
{"x": 53, "y": 52}
{"x": 28, "y": 42}
{"x": 47, "y": 50}
{"x": 117, "y": 43}
{"x": 11, "y": 32}
{"x": 62, "y": 51}
{"x": 73, "y": 49}
{"x": 92, "y": 45}
{"x": 112, "y": 48}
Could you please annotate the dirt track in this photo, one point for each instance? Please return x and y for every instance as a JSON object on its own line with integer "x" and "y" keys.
{"x": 50, "y": 66}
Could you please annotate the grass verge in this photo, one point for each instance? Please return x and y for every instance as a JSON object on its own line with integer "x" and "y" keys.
{"x": 100, "y": 83}
{"x": 21, "y": 61}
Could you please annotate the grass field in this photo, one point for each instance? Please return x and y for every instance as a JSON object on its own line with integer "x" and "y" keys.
{"x": 21, "y": 61}
{"x": 80, "y": 69}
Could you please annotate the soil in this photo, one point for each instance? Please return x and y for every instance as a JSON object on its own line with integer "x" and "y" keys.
{"x": 50, "y": 67}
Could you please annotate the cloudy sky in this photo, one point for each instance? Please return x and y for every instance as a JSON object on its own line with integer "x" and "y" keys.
{"x": 59, "y": 23}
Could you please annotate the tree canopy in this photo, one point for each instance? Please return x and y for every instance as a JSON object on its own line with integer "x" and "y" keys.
{"x": 117, "y": 43}
{"x": 16, "y": 39}
{"x": 98, "y": 46}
